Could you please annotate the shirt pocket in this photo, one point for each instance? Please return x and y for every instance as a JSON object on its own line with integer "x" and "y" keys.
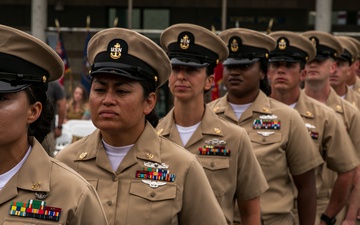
{"x": 267, "y": 146}
{"x": 28, "y": 221}
{"x": 217, "y": 172}
{"x": 146, "y": 202}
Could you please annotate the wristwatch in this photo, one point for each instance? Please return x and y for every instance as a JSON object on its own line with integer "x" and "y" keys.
{"x": 328, "y": 220}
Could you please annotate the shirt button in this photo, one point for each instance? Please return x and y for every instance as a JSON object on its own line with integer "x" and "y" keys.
{"x": 152, "y": 194}
{"x": 109, "y": 203}
{"x": 212, "y": 164}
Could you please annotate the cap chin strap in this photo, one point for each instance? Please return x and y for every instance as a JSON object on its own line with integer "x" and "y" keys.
{"x": 17, "y": 78}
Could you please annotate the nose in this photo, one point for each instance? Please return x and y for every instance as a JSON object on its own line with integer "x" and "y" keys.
{"x": 109, "y": 98}
{"x": 181, "y": 74}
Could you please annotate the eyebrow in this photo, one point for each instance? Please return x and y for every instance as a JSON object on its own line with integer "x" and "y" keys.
{"x": 117, "y": 83}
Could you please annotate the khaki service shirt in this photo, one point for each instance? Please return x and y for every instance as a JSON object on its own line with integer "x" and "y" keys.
{"x": 350, "y": 116}
{"x": 287, "y": 148}
{"x": 353, "y": 97}
{"x": 329, "y": 135}
{"x": 236, "y": 176}
{"x": 133, "y": 201}
{"x": 64, "y": 189}
{"x": 356, "y": 86}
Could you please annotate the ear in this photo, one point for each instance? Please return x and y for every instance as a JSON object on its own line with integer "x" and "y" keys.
{"x": 302, "y": 74}
{"x": 333, "y": 67}
{"x": 209, "y": 82}
{"x": 262, "y": 75}
{"x": 34, "y": 112}
{"x": 149, "y": 103}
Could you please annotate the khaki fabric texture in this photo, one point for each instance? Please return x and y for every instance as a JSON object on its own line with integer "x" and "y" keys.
{"x": 66, "y": 189}
{"x": 288, "y": 149}
{"x": 235, "y": 177}
{"x": 128, "y": 200}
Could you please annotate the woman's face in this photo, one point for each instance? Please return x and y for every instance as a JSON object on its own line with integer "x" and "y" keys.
{"x": 187, "y": 83}
{"x": 78, "y": 94}
{"x": 117, "y": 104}
{"x": 17, "y": 114}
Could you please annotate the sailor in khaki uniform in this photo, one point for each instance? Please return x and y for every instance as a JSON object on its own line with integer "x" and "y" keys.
{"x": 286, "y": 70}
{"x": 278, "y": 135}
{"x": 223, "y": 148}
{"x": 354, "y": 79}
{"x": 317, "y": 86}
{"x": 344, "y": 70}
{"x": 141, "y": 178}
{"x": 35, "y": 188}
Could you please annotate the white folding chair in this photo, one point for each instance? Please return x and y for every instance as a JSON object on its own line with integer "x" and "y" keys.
{"x": 62, "y": 141}
{"x": 81, "y": 130}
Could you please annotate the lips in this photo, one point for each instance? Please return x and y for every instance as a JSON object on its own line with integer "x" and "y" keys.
{"x": 107, "y": 113}
{"x": 280, "y": 80}
{"x": 234, "y": 80}
{"x": 181, "y": 87}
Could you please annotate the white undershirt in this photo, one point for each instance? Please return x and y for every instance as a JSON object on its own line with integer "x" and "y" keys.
{"x": 293, "y": 105}
{"x": 343, "y": 96}
{"x": 116, "y": 154}
{"x": 351, "y": 86}
{"x": 4, "y": 178}
{"x": 239, "y": 109}
{"x": 186, "y": 132}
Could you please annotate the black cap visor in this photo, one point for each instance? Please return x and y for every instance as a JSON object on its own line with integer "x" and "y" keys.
{"x": 6, "y": 87}
{"x": 234, "y": 61}
{"x": 283, "y": 59}
{"x": 179, "y": 62}
{"x": 118, "y": 72}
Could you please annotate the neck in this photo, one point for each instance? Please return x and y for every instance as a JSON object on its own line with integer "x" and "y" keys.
{"x": 351, "y": 80}
{"x": 318, "y": 91}
{"x": 11, "y": 154}
{"x": 340, "y": 89}
{"x": 122, "y": 138}
{"x": 243, "y": 99}
{"x": 189, "y": 113}
{"x": 286, "y": 97}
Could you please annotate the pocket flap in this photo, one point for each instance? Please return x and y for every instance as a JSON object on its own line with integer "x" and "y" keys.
{"x": 214, "y": 162}
{"x": 265, "y": 137}
{"x": 162, "y": 192}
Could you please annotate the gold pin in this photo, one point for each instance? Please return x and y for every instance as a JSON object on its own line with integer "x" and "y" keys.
{"x": 149, "y": 155}
{"x": 265, "y": 109}
{"x": 184, "y": 42}
{"x": 234, "y": 46}
{"x": 116, "y": 51}
{"x": 282, "y": 44}
{"x": 216, "y": 108}
{"x": 217, "y": 130}
{"x": 44, "y": 79}
{"x": 36, "y": 186}
{"x": 160, "y": 131}
{"x": 338, "y": 107}
{"x": 156, "y": 78}
{"x": 308, "y": 113}
{"x": 83, "y": 155}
